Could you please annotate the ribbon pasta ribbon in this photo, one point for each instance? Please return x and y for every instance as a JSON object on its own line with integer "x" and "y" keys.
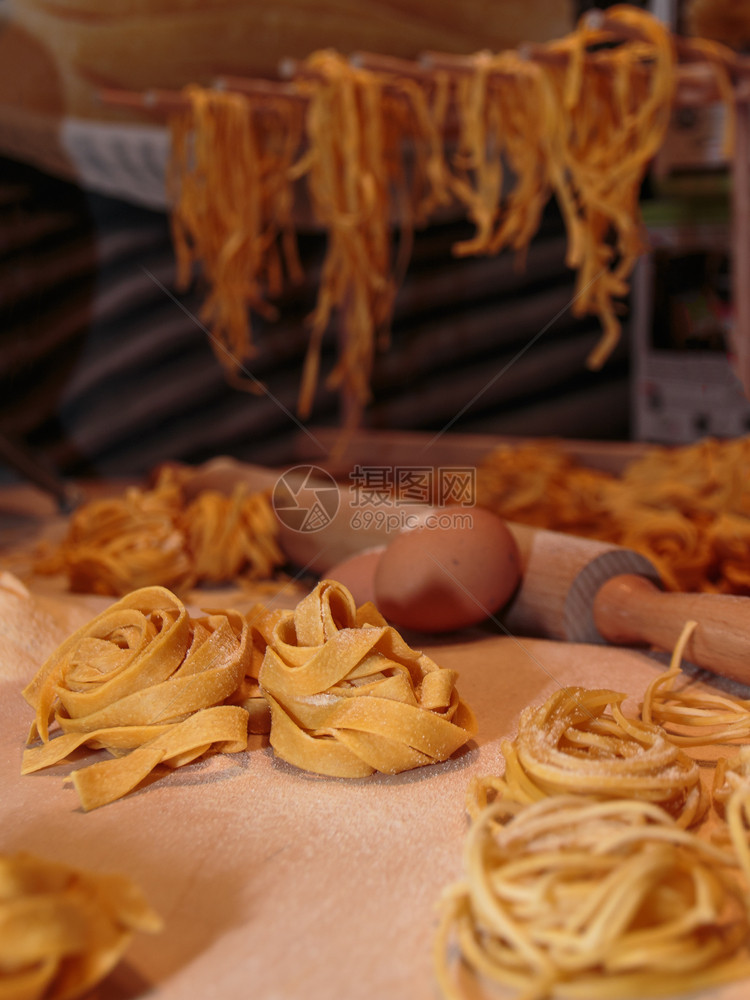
{"x": 348, "y": 696}
{"x": 147, "y": 682}
{"x": 63, "y": 929}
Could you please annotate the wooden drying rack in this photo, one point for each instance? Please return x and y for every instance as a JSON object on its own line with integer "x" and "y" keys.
{"x": 696, "y": 86}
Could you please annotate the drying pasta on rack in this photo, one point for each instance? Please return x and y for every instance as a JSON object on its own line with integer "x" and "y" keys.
{"x": 372, "y": 146}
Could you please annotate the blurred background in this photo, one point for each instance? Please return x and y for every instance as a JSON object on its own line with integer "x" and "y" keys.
{"x": 104, "y": 369}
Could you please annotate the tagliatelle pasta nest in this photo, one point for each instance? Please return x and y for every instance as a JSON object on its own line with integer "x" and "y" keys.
{"x": 348, "y": 696}
{"x": 63, "y": 929}
{"x": 339, "y": 690}
{"x": 686, "y": 508}
{"x": 147, "y": 682}
{"x": 156, "y": 537}
{"x": 579, "y": 740}
{"x": 577, "y": 898}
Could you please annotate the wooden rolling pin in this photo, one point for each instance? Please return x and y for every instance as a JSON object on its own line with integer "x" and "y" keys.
{"x": 573, "y": 589}
{"x": 581, "y": 590}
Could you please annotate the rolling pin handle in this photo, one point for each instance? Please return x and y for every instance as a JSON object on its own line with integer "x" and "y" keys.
{"x": 632, "y": 610}
{"x": 621, "y": 609}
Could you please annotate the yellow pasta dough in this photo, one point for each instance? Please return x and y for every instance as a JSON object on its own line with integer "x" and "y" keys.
{"x": 686, "y": 508}
{"x": 576, "y": 898}
{"x": 579, "y": 740}
{"x": 147, "y": 682}
{"x": 692, "y": 715}
{"x": 348, "y": 696}
{"x": 62, "y": 928}
{"x": 156, "y": 537}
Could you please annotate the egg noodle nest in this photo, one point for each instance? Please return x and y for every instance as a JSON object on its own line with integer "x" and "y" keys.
{"x": 63, "y": 928}
{"x": 591, "y": 867}
{"x": 161, "y": 536}
{"x": 599, "y": 865}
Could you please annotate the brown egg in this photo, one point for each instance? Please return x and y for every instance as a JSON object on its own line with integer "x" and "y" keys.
{"x": 357, "y": 574}
{"x": 456, "y": 568}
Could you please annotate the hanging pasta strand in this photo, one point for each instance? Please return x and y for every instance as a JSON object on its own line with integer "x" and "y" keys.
{"x": 524, "y": 131}
{"x": 358, "y": 126}
{"x": 478, "y": 176}
{"x": 343, "y": 168}
{"x": 500, "y": 171}
{"x": 232, "y": 209}
{"x": 574, "y": 120}
{"x": 376, "y": 149}
{"x": 614, "y": 118}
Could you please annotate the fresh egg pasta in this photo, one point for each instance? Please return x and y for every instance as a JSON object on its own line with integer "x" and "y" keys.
{"x": 145, "y": 681}
{"x": 577, "y": 898}
{"x": 692, "y": 715}
{"x": 580, "y": 741}
{"x": 686, "y": 508}
{"x": 348, "y": 696}
{"x": 63, "y": 928}
{"x": 594, "y": 868}
{"x": 156, "y": 537}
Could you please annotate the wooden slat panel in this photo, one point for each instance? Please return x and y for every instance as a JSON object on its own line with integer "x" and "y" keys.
{"x": 107, "y": 371}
